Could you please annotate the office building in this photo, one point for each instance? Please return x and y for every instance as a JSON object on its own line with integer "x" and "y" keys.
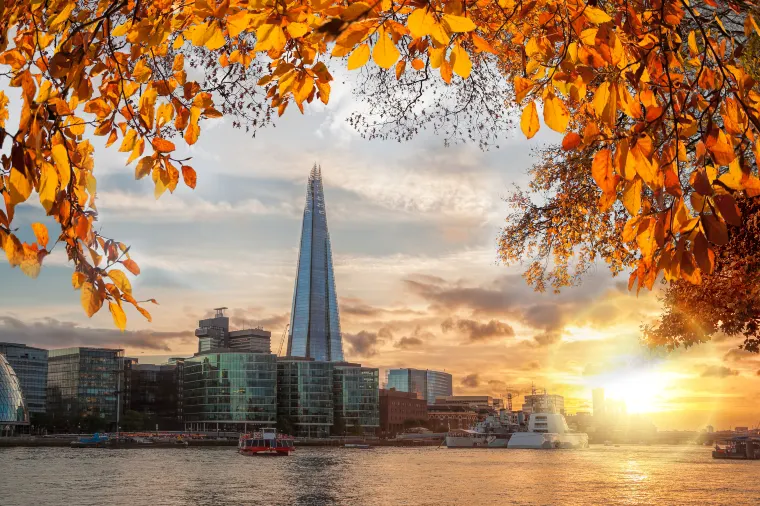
{"x": 475, "y": 401}
{"x": 314, "y": 330}
{"x": 305, "y": 397}
{"x": 356, "y": 398}
{"x": 83, "y": 383}
{"x": 214, "y": 334}
{"x": 426, "y": 383}
{"x": 399, "y": 410}
{"x": 31, "y": 367}
{"x": 12, "y": 409}
{"x": 155, "y": 391}
{"x": 544, "y": 403}
{"x": 230, "y": 391}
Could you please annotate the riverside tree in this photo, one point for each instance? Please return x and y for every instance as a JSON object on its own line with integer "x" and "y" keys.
{"x": 655, "y": 99}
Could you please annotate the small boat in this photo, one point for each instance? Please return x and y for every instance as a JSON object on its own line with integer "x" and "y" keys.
{"x": 266, "y": 442}
{"x": 97, "y": 440}
{"x": 741, "y": 447}
{"x": 361, "y": 446}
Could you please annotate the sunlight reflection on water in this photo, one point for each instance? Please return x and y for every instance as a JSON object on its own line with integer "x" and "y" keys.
{"x": 626, "y": 475}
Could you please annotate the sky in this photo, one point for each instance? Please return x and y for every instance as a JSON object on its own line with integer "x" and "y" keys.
{"x": 413, "y": 227}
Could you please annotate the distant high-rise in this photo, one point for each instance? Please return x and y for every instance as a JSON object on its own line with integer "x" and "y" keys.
{"x": 31, "y": 366}
{"x": 314, "y": 319}
{"x": 426, "y": 384}
{"x": 214, "y": 334}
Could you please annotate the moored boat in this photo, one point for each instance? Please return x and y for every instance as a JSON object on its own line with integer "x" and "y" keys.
{"x": 548, "y": 430}
{"x": 740, "y": 447}
{"x": 266, "y": 442}
{"x": 493, "y": 432}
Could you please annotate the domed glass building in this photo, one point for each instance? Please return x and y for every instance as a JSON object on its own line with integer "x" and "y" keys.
{"x": 12, "y": 408}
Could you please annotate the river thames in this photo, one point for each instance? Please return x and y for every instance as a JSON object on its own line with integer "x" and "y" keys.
{"x": 669, "y": 475}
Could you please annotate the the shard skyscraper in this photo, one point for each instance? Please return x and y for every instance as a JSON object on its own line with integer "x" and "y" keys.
{"x": 314, "y": 319}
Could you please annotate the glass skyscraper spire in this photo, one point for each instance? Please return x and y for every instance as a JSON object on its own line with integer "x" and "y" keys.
{"x": 314, "y": 319}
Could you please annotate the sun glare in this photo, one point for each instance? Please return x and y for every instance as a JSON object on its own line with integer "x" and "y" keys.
{"x": 642, "y": 392}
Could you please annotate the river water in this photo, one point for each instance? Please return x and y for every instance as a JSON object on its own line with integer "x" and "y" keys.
{"x": 604, "y": 475}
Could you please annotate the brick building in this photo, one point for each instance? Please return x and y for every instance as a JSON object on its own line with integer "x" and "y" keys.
{"x": 396, "y": 408}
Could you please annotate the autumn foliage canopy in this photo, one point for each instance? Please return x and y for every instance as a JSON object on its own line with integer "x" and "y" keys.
{"x": 655, "y": 100}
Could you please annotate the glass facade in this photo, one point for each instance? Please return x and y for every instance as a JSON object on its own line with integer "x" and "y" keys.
{"x": 154, "y": 391}
{"x": 439, "y": 384}
{"x": 315, "y": 321}
{"x": 12, "y": 408}
{"x": 356, "y": 396}
{"x": 305, "y": 397}
{"x": 230, "y": 391}
{"x": 426, "y": 383}
{"x": 83, "y": 382}
{"x": 31, "y": 366}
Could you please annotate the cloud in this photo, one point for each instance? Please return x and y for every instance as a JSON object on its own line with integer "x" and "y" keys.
{"x": 470, "y": 381}
{"x": 476, "y": 331}
{"x": 406, "y": 343}
{"x": 356, "y": 307}
{"x": 737, "y": 355}
{"x": 533, "y": 365}
{"x": 497, "y": 384}
{"x": 52, "y": 333}
{"x": 719, "y": 371}
{"x": 363, "y": 344}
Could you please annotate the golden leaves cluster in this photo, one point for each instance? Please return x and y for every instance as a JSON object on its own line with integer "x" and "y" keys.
{"x": 658, "y": 95}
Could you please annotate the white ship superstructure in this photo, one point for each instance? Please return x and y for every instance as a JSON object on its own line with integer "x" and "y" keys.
{"x": 548, "y": 430}
{"x": 493, "y": 432}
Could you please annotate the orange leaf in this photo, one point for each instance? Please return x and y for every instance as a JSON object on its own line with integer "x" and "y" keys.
{"x": 728, "y": 209}
{"x": 41, "y": 233}
{"x": 602, "y": 171}
{"x": 716, "y": 230}
{"x": 571, "y": 141}
{"x": 162, "y": 145}
{"x": 131, "y": 266}
{"x": 188, "y": 174}
{"x": 529, "y": 120}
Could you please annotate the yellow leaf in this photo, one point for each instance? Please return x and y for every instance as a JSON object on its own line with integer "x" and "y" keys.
{"x": 297, "y": 29}
{"x": 385, "y": 53}
{"x": 119, "y": 318}
{"x": 20, "y": 186}
{"x": 141, "y": 72}
{"x": 462, "y": 62}
{"x": 556, "y": 115}
{"x": 400, "y": 67}
{"x": 48, "y": 185}
{"x": 529, "y": 120}
{"x": 120, "y": 280}
{"x": 41, "y": 233}
{"x": 206, "y": 34}
{"x": 270, "y": 37}
{"x": 91, "y": 299}
{"x": 359, "y": 57}
{"x": 77, "y": 280}
{"x": 458, "y": 23}
{"x": 238, "y": 22}
{"x": 421, "y": 22}
{"x": 61, "y": 159}
{"x": 693, "y": 43}
{"x": 632, "y": 196}
{"x": 144, "y": 167}
{"x": 129, "y": 141}
{"x": 596, "y": 15}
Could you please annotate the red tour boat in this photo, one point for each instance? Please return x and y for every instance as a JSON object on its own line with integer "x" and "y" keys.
{"x": 266, "y": 442}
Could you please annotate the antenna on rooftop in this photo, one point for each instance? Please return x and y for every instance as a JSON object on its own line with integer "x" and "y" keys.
{"x": 219, "y": 311}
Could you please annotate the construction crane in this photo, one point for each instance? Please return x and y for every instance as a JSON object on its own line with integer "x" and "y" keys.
{"x": 282, "y": 339}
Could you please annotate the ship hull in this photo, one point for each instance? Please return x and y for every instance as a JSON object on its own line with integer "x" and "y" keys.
{"x": 547, "y": 441}
{"x": 477, "y": 441}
